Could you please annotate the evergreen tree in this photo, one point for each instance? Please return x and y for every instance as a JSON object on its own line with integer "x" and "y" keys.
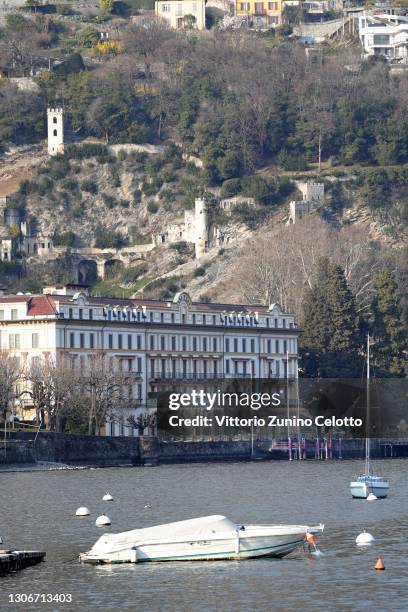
{"x": 330, "y": 339}
{"x": 390, "y": 346}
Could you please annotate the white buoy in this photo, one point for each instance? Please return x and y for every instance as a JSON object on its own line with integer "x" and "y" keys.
{"x": 107, "y": 497}
{"x": 371, "y": 497}
{"x": 82, "y": 511}
{"x": 148, "y": 506}
{"x": 364, "y": 538}
{"x": 103, "y": 520}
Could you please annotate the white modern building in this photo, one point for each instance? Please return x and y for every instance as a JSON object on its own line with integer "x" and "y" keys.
{"x": 385, "y": 35}
{"x": 156, "y": 341}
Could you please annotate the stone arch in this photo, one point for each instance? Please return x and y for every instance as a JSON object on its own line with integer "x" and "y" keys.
{"x": 87, "y": 271}
{"x": 113, "y": 267}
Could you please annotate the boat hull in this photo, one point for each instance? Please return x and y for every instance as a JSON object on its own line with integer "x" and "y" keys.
{"x": 362, "y": 489}
{"x": 251, "y": 542}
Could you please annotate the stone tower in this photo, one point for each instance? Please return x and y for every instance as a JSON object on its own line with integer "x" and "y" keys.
{"x": 55, "y": 118}
{"x": 200, "y": 228}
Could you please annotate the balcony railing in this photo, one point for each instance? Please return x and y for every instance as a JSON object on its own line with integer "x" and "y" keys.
{"x": 197, "y": 375}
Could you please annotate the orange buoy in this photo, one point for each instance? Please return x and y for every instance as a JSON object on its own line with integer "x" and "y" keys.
{"x": 379, "y": 564}
{"x": 310, "y": 538}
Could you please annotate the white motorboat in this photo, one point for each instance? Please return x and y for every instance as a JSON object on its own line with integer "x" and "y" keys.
{"x": 368, "y": 484}
{"x": 201, "y": 539}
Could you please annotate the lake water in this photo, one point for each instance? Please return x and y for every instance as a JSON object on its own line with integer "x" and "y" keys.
{"x": 37, "y": 511}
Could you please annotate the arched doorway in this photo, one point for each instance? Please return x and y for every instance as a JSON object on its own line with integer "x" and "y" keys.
{"x": 87, "y": 272}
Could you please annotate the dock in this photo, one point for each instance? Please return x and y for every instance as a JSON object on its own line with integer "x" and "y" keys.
{"x": 14, "y": 560}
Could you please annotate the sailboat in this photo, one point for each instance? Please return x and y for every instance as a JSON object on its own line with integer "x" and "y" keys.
{"x": 367, "y": 485}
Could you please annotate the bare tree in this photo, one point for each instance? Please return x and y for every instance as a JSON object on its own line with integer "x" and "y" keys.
{"x": 280, "y": 263}
{"x": 52, "y": 387}
{"x": 107, "y": 389}
{"x": 10, "y": 373}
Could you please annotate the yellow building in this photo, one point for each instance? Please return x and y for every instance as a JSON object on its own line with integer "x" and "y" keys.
{"x": 261, "y": 15}
{"x": 184, "y": 14}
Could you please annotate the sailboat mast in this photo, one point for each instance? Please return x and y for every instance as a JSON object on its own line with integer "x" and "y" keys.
{"x": 367, "y": 444}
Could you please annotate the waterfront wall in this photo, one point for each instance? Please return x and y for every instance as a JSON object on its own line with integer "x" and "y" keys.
{"x": 148, "y": 450}
{"x": 80, "y": 449}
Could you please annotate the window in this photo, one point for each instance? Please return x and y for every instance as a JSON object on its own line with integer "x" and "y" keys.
{"x": 215, "y": 343}
{"x": 284, "y": 323}
{"x": 184, "y": 367}
{"x": 55, "y": 132}
{"x": 152, "y": 367}
{"x": 82, "y": 340}
{"x": 244, "y": 345}
{"x": 162, "y": 317}
{"x": 120, "y": 341}
{"x": 194, "y": 344}
{"x": 165, "y": 8}
{"x": 273, "y": 6}
{"x": 110, "y": 341}
{"x": 227, "y": 344}
{"x": 215, "y": 368}
{"x": 1, "y": 315}
{"x": 183, "y": 343}
{"x": 129, "y": 342}
{"x": 162, "y": 343}
{"x": 227, "y": 366}
{"x": 139, "y": 391}
{"x": 173, "y": 343}
{"x": 214, "y": 319}
{"x": 152, "y": 343}
{"x": 54, "y": 120}
{"x": 267, "y": 321}
{"x": 139, "y": 342}
{"x": 204, "y": 319}
{"x": 194, "y": 9}
{"x": 268, "y": 346}
{"x": 193, "y": 318}
{"x": 81, "y": 312}
{"x": 259, "y": 7}
{"x": 244, "y": 6}
{"x": 90, "y": 314}
{"x": 285, "y": 346}
{"x": 204, "y": 344}
{"x": 252, "y": 345}
{"x": 381, "y": 39}
{"x": 72, "y": 340}
{"x": 173, "y": 368}
{"x": 139, "y": 364}
{"x": 172, "y": 317}
{"x": 14, "y": 341}
{"x": 35, "y": 340}
{"x": 14, "y": 314}
{"x": 235, "y": 345}
{"x": 91, "y": 341}
{"x": 71, "y": 313}
{"x": 276, "y": 323}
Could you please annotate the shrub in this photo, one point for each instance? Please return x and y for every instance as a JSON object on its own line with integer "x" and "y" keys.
{"x": 59, "y": 167}
{"x": 181, "y": 247}
{"x": 171, "y": 152}
{"x": 149, "y": 189}
{"x": 108, "y": 239}
{"x": 109, "y": 200}
{"x": 200, "y": 271}
{"x": 248, "y": 215}
{"x": 152, "y": 206}
{"x": 122, "y": 155}
{"x": 292, "y": 161}
{"x": 230, "y": 188}
{"x": 66, "y": 239}
{"x": 70, "y": 184}
{"x": 85, "y": 151}
{"x": 137, "y": 196}
{"x": 167, "y": 176}
{"x": 89, "y": 186}
{"x": 131, "y": 275}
